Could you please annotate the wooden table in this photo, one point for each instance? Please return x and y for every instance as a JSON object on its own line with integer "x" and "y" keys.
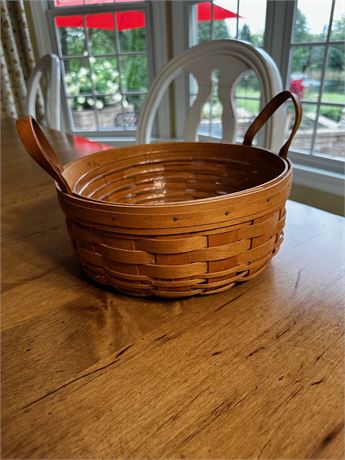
{"x": 255, "y": 372}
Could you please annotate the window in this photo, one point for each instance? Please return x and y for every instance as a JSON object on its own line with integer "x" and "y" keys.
{"x": 307, "y": 44}
{"x": 108, "y": 64}
{"x": 317, "y": 75}
{"x": 107, "y": 67}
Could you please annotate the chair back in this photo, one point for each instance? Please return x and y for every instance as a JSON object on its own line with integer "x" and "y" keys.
{"x": 49, "y": 66}
{"x": 231, "y": 58}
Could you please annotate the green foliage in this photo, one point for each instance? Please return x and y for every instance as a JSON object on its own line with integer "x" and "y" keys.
{"x": 245, "y": 33}
{"x": 301, "y": 30}
{"x": 307, "y": 59}
{"x": 72, "y": 41}
{"x": 334, "y": 113}
{"x": 104, "y": 78}
{"x": 134, "y": 73}
{"x": 219, "y": 31}
{"x": 336, "y": 59}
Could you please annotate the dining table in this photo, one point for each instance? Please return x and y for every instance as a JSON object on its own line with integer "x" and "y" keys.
{"x": 255, "y": 372}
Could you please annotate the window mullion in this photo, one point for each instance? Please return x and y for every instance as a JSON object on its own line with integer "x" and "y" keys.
{"x": 86, "y": 32}
{"x": 278, "y": 32}
{"x": 118, "y": 64}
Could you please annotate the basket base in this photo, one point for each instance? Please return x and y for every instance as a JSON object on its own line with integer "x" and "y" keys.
{"x": 155, "y": 291}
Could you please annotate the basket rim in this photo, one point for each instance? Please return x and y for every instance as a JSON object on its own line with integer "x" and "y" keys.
{"x": 171, "y": 204}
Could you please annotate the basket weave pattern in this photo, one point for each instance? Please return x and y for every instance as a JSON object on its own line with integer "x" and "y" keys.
{"x": 180, "y": 265}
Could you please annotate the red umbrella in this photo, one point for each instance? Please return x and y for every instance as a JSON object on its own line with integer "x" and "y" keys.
{"x": 205, "y": 12}
{"x": 131, "y": 19}
{"x": 124, "y": 20}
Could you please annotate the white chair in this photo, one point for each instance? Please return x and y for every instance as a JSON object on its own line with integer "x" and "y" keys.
{"x": 232, "y": 58}
{"x": 49, "y": 66}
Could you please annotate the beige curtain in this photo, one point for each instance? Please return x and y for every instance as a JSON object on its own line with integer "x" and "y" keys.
{"x": 17, "y": 59}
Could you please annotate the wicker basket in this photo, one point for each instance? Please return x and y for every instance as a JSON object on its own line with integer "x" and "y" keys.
{"x": 173, "y": 219}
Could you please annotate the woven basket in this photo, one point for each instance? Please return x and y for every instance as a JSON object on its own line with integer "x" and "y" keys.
{"x": 173, "y": 219}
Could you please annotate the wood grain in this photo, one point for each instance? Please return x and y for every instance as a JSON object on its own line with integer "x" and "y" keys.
{"x": 255, "y": 372}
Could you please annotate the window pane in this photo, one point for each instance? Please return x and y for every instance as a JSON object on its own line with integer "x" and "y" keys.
{"x": 200, "y": 30}
{"x": 306, "y": 70}
{"x": 134, "y": 73}
{"x": 338, "y": 24}
{"x": 248, "y": 86}
{"x": 213, "y": 20}
{"x": 71, "y": 35}
{"x": 330, "y": 134}
{"x": 251, "y": 24}
{"x": 101, "y": 34}
{"x": 83, "y": 113}
{"x": 203, "y": 32}
{"x": 246, "y": 110}
{"x": 312, "y": 19}
{"x": 247, "y": 93}
{"x": 133, "y": 39}
{"x": 334, "y": 83}
{"x": 303, "y": 138}
{"x": 224, "y": 15}
{"x": 77, "y": 77}
{"x": 105, "y": 75}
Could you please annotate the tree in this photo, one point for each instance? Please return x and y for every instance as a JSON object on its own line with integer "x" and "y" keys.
{"x": 336, "y": 58}
{"x": 220, "y": 31}
{"x": 302, "y": 57}
{"x": 245, "y": 33}
{"x": 301, "y": 30}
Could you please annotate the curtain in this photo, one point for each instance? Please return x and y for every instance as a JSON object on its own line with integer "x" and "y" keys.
{"x": 16, "y": 59}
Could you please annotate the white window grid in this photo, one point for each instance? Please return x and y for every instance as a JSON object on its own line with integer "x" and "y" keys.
{"x": 318, "y": 104}
{"x": 86, "y": 9}
{"x": 278, "y": 41}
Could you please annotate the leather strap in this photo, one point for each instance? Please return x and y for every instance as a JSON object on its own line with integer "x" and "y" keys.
{"x": 38, "y": 147}
{"x": 267, "y": 112}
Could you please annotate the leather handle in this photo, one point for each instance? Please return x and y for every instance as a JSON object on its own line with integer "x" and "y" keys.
{"x": 38, "y": 147}
{"x": 267, "y": 112}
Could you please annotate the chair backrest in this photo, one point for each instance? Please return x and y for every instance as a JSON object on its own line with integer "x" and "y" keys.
{"x": 49, "y": 66}
{"x": 231, "y": 58}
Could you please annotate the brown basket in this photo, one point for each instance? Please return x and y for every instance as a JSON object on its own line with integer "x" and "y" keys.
{"x": 173, "y": 219}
